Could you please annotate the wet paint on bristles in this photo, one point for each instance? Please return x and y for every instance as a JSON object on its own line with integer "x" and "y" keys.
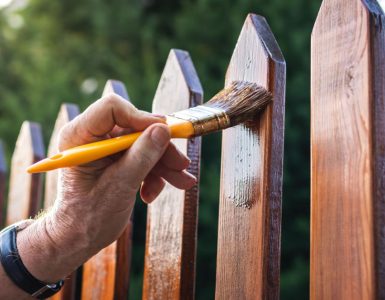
{"x": 234, "y": 105}
{"x": 240, "y": 101}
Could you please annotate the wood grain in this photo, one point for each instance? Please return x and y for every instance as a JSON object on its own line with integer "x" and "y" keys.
{"x": 106, "y": 275}
{"x": 248, "y": 257}
{"x": 348, "y": 156}
{"x": 67, "y": 113}
{"x": 25, "y": 189}
{"x": 3, "y": 174}
{"x": 169, "y": 271}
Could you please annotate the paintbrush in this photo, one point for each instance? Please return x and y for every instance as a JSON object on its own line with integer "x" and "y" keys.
{"x": 233, "y": 105}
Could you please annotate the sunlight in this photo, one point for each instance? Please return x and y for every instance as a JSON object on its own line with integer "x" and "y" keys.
{"x": 4, "y": 3}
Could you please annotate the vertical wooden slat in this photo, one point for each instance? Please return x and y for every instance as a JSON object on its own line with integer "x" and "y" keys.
{"x": 25, "y": 189}
{"x": 248, "y": 258}
{"x": 377, "y": 36}
{"x": 67, "y": 113}
{"x": 3, "y": 171}
{"x": 347, "y": 151}
{"x": 106, "y": 275}
{"x": 169, "y": 271}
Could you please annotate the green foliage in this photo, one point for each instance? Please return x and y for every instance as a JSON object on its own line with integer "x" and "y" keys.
{"x": 65, "y": 50}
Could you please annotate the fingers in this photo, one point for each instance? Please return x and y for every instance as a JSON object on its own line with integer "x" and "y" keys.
{"x": 154, "y": 183}
{"x": 180, "y": 179}
{"x": 103, "y": 116}
{"x": 145, "y": 153}
{"x": 143, "y": 162}
{"x": 151, "y": 187}
{"x": 174, "y": 159}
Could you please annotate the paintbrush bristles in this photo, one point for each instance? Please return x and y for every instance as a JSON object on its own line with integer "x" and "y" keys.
{"x": 241, "y": 101}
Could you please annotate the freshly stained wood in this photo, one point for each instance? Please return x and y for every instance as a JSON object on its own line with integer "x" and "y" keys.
{"x": 347, "y": 151}
{"x": 3, "y": 171}
{"x": 106, "y": 275}
{"x": 67, "y": 113}
{"x": 169, "y": 271}
{"x": 25, "y": 189}
{"x": 248, "y": 257}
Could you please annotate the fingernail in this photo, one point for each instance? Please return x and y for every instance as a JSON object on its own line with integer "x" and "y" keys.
{"x": 160, "y": 136}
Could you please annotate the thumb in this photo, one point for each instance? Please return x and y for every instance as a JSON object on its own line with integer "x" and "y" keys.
{"x": 144, "y": 154}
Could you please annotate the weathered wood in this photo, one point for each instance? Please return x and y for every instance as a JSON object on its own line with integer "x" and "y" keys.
{"x": 25, "y": 189}
{"x": 107, "y": 274}
{"x": 248, "y": 257}
{"x": 3, "y": 171}
{"x": 347, "y": 145}
{"x": 169, "y": 271}
{"x": 67, "y": 113}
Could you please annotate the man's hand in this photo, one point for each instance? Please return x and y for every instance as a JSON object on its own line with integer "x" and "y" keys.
{"x": 95, "y": 201}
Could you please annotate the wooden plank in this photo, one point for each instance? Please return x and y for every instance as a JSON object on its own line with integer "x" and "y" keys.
{"x": 169, "y": 270}
{"x": 347, "y": 151}
{"x": 3, "y": 172}
{"x": 25, "y": 189}
{"x": 377, "y": 35}
{"x": 67, "y": 113}
{"x": 107, "y": 274}
{"x": 248, "y": 257}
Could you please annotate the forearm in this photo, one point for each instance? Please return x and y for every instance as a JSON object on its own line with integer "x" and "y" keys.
{"x": 49, "y": 251}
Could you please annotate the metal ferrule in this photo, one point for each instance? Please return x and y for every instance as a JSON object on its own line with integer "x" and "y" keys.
{"x": 204, "y": 119}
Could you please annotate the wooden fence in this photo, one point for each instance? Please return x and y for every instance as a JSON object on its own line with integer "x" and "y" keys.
{"x": 347, "y": 169}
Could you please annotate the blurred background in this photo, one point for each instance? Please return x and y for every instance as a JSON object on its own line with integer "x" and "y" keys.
{"x": 64, "y": 51}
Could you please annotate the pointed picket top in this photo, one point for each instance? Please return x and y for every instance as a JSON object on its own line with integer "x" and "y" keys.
{"x": 106, "y": 275}
{"x": 67, "y": 112}
{"x": 169, "y": 271}
{"x": 179, "y": 79}
{"x": 116, "y": 87}
{"x": 25, "y": 189}
{"x": 248, "y": 257}
{"x": 3, "y": 178}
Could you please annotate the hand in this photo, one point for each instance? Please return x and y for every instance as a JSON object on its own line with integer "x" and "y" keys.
{"x": 95, "y": 201}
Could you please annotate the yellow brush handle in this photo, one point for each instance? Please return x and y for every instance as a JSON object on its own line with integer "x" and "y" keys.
{"x": 90, "y": 152}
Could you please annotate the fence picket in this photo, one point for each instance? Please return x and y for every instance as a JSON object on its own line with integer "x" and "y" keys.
{"x": 169, "y": 271}
{"x": 347, "y": 259}
{"x": 24, "y": 198}
{"x": 248, "y": 257}
{"x": 106, "y": 275}
{"x": 67, "y": 113}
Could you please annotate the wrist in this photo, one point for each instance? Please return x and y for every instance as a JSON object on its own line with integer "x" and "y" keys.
{"x": 49, "y": 250}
